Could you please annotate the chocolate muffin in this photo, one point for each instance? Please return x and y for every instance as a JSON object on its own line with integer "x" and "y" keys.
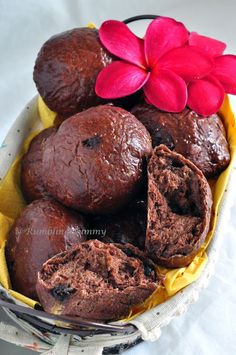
{"x": 199, "y": 139}
{"x": 43, "y": 229}
{"x": 128, "y": 226}
{"x": 31, "y": 167}
{"x": 96, "y": 281}
{"x": 95, "y": 162}
{"x": 179, "y": 208}
{"x": 66, "y": 70}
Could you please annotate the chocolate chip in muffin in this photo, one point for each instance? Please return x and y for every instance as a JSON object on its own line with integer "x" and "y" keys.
{"x": 62, "y": 292}
{"x": 92, "y": 142}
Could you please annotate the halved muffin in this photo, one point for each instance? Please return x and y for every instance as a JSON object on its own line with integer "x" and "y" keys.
{"x": 179, "y": 208}
{"x": 97, "y": 281}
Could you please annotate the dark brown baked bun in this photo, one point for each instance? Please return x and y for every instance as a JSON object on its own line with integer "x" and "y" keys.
{"x": 96, "y": 281}
{"x": 179, "y": 208}
{"x": 127, "y": 226}
{"x": 66, "y": 70}
{"x": 95, "y": 162}
{"x": 199, "y": 139}
{"x": 43, "y": 229}
{"x": 31, "y": 167}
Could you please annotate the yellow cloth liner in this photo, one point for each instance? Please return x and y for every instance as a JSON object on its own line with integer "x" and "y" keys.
{"x": 11, "y": 203}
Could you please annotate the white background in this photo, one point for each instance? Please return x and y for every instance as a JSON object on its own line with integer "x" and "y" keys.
{"x": 209, "y": 327}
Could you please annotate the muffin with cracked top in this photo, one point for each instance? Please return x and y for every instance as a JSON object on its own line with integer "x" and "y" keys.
{"x": 66, "y": 70}
{"x": 96, "y": 161}
{"x": 199, "y": 139}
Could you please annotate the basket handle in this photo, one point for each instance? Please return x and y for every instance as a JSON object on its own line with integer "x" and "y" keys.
{"x": 35, "y": 317}
{"x": 62, "y": 347}
{"x": 140, "y": 17}
{"x": 20, "y": 337}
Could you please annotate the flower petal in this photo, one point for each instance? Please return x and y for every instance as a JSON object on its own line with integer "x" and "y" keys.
{"x": 210, "y": 45}
{"x": 205, "y": 96}
{"x": 120, "y": 41}
{"x": 188, "y": 62}
{"x": 162, "y": 35}
{"x": 166, "y": 90}
{"x": 225, "y": 72}
{"x": 120, "y": 79}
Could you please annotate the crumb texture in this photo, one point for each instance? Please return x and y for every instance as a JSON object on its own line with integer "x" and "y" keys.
{"x": 179, "y": 206}
{"x": 97, "y": 281}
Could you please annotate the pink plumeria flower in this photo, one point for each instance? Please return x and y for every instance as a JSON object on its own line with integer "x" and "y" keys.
{"x": 205, "y": 96}
{"x": 161, "y": 63}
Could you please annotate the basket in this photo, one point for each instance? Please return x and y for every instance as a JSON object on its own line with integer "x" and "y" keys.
{"x": 53, "y": 334}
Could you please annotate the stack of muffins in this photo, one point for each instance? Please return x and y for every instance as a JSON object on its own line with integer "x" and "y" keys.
{"x": 115, "y": 189}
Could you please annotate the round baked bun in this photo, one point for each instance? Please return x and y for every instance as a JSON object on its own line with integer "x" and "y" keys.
{"x": 96, "y": 161}
{"x": 43, "y": 229}
{"x": 66, "y": 70}
{"x": 199, "y": 139}
{"x": 31, "y": 167}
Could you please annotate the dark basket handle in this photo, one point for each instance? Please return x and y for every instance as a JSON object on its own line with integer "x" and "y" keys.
{"x": 72, "y": 325}
{"x": 140, "y": 17}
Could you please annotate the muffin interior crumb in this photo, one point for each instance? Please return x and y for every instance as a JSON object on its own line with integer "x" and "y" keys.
{"x": 175, "y": 205}
{"x": 95, "y": 268}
